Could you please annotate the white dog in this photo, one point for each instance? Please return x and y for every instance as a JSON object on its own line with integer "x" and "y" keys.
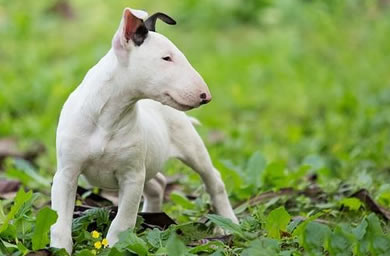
{"x": 124, "y": 121}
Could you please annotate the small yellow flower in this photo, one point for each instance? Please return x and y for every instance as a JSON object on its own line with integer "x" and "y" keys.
{"x": 97, "y": 245}
{"x": 105, "y": 242}
{"x": 93, "y": 252}
{"x": 95, "y": 234}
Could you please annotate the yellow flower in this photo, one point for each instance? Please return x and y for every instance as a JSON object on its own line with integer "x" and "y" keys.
{"x": 105, "y": 242}
{"x": 97, "y": 245}
{"x": 95, "y": 234}
{"x": 93, "y": 252}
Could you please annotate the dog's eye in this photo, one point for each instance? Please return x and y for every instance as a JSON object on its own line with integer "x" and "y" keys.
{"x": 167, "y": 58}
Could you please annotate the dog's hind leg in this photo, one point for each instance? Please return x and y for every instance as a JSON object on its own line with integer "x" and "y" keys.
{"x": 192, "y": 151}
{"x": 154, "y": 193}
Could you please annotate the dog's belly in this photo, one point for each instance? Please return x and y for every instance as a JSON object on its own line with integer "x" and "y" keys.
{"x": 103, "y": 166}
{"x": 100, "y": 173}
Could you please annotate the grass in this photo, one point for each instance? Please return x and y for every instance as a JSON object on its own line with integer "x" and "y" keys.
{"x": 300, "y": 89}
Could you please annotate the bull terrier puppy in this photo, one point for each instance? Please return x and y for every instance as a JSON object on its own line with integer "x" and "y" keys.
{"x": 124, "y": 121}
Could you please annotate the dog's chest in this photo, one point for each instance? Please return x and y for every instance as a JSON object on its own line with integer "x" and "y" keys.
{"x": 110, "y": 154}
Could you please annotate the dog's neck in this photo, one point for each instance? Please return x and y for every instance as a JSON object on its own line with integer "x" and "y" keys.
{"x": 110, "y": 97}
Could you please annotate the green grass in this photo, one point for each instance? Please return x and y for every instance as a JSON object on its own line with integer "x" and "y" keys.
{"x": 299, "y": 88}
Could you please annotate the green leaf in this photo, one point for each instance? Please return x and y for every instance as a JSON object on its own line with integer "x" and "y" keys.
{"x": 276, "y": 221}
{"x": 84, "y": 252}
{"x": 59, "y": 252}
{"x": 352, "y": 203}
{"x": 207, "y": 248}
{"x": 21, "y": 198}
{"x": 112, "y": 252}
{"x": 274, "y": 175}
{"x": 182, "y": 200}
{"x": 153, "y": 237}
{"x": 360, "y": 230}
{"x": 226, "y": 224}
{"x": 315, "y": 236}
{"x": 22, "y": 248}
{"x": 262, "y": 247}
{"x": 301, "y": 227}
{"x": 340, "y": 242}
{"x": 381, "y": 245}
{"x": 255, "y": 167}
{"x": 293, "y": 225}
{"x": 231, "y": 175}
{"x": 374, "y": 226}
{"x": 128, "y": 240}
{"x": 175, "y": 247}
{"x": 45, "y": 218}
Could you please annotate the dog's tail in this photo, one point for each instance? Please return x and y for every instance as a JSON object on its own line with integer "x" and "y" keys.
{"x": 194, "y": 121}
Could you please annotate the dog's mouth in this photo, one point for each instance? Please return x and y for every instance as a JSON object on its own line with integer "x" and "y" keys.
{"x": 177, "y": 104}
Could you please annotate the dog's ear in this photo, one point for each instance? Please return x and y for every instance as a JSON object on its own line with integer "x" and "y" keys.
{"x": 150, "y": 23}
{"x": 131, "y": 32}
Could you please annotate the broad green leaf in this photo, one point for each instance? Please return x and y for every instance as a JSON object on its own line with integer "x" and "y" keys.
{"x": 115, "y": 252}
{"x": 255, "y": 167}
{"x": 262, "y": 247}
{"x": 226, "y": 224}
{"x": 301, "y": 227}
{"x": 218, "y": 252}
{"x": 153, "y": 237}
{"x": 194, "y": 231}
{"x": 45, "y": 218}
{"x": 315, "y": 236}
{"x": 374, "y": 226}
{"x": 182, "y": 200}
{"x": 352, "y": 203}
{"x": 112, "y": 252}
{"x": 59, "y": 252}
{"x": 274, "y": 175}
{"x": 340, "y": 243}
{"x": 360, "y": 230}
{"x": 128, "y": 240}
{"x": 381, "y": 245}
{"x": 21, "y": 198}
{"x": 175, "y": 247}
{"x": 276, "y": 221}
{"x": 231, "y": 175}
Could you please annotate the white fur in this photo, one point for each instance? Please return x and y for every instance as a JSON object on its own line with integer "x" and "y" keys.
{"x": 120, "y": 126}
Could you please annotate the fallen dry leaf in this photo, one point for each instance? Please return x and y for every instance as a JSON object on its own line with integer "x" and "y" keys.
{"x": 42, "y": 252}
{"x": 266, "y": 196}
{"x": 9, "y": 148}
{"x": 63, "y": 8}
{"x": 8, "y": 188}
{"x": 365, "y": 197}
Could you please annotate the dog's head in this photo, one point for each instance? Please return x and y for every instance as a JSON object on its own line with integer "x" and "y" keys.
{"x": 158, "y": 67}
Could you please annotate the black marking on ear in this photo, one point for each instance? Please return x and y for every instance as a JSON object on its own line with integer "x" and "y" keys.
{"x": 140, "y": 35}
{"x": 150, "y": 22}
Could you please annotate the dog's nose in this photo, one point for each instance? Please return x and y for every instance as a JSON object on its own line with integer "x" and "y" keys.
{"x": 205, "y": 98}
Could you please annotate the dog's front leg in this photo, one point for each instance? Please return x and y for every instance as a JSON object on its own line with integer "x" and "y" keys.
{"x": 131, "y": 185}
{"x": 63, "y": 195}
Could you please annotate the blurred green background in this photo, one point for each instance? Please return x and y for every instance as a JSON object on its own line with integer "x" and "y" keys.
{"x": 299, "y": 81}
